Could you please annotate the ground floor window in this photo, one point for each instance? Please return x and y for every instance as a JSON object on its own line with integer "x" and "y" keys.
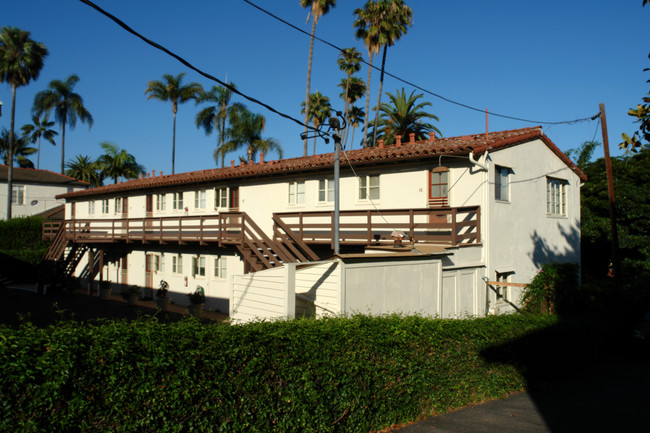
{"x": 220, "y": 267}
{"x": 177, "y": 264}
{"x": 198, "y": 266}
{"x": 503, "y": 291}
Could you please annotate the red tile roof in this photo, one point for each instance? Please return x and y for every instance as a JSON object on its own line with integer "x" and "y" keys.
{"x": 407, "y": 152}
{"x": 32, "y": 175}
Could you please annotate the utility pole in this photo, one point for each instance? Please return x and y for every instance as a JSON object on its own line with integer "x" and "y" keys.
{"x": 612, "y": 200}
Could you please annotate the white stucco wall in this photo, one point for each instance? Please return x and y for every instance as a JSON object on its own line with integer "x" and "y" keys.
{"x": 42, "y": 195}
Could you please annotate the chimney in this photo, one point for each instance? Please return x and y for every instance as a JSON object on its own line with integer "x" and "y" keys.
{"x": 398, "y": 140}
{"x": 432, "y": 135}
{"x": 161, "y": 173}
{"x": 261, "y": 157}
{"x": 232, "y": 163}
{"x": 153, "y": 173}
{"x": 412, "y": 137}
{"x": 381, "y": 144}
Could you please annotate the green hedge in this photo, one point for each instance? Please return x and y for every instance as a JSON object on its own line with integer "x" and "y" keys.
{"x": 22, "y": 238}
{"x": 331, "y": 375}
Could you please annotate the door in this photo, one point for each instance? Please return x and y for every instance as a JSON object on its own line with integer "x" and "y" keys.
{"x": 124, "y": 271}
{"x": 148, "y": 224}
{"x": 234, "y": 198}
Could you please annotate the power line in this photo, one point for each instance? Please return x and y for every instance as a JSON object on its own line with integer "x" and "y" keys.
{"x": 451, "y": 101}
{"x": 189, "y": 65}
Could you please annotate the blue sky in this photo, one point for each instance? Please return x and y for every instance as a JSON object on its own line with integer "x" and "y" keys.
{"x": 549, "y": 61}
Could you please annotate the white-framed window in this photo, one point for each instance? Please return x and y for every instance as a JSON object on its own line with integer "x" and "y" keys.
{"x": 325, "y": 190}
{"x": 91, "y": 207}
{"x": 503, "y": 292}
{"x": 18, "y": 194}
{"x": 105, "y": 206}
{"x": 297, "y": 192}
{"x": 220, "y": 270}
{"x": 161, "y": 202}
{"x": 221, "y": 198}
{"x": 156, "y": 264}
{"x": 198, "y": 266}
{"x": 439, "y": 187}
{"x": 177, "y": 264}
{"x": 199, "y": 199}
{"x": 177, "y": 201}
{"x": 556, "y": 190}
{"x": 502, "y": 183}
{"x": 369, "y": 187}
{"x": 118, "y": 205}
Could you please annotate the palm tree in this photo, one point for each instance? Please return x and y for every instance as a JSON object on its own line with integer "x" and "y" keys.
{"x": 67, "y": 105}
{"x": 215, "y": 117}
{"x": 319, "y": 111}
{"x": 355, "y": 117}
{"x": 246, "y": 130}
{"x": 116, "y": 163}
{"x": 21, "y": 61}
{"x": 350, "y": 63}
{"x": 403, "y": 116}
{"x": 380, "y": 24}
{"x": 355, "y": 88}
{"x": 84, "y": 169}
{"x": 318, "y": 9}
{"x": 19, "y": 151}
{"x": 171, "y": 89}
{"x": 37, "y": 129}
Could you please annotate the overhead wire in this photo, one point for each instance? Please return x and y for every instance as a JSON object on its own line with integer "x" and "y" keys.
{"x": 449, "y": 100}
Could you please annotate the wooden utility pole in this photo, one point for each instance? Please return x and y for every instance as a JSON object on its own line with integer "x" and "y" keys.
{"x": 612, "y": 200}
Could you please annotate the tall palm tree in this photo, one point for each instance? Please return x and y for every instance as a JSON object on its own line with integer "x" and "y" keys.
{"x": 21, "y": 61}
{"x": 18, "y": 153}
{"x": 116, "y": 163}
{"x": 67, "y": 105}
{"x": 403, "y": 116}
{"x": 319, "y": 110}
{"x": 246, "y": 130}
{"x": 215, "y": 117}
{"x": 355, "y": 117}
{"x": 37, "y": 129}
{"x": 355, "y": 88}
{"x": 171, "y": 89}
{"x": 318, "y": 8}
{"x": 349, "y": 62}
{"x": 85, "y": 169}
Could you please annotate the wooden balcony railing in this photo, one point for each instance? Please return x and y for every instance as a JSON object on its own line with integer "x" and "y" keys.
{"x": 447, "y": 226}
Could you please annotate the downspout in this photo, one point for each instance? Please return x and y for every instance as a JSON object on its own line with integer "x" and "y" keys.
{"x": 485, "y": 216}
{"x": 480, "y": 163}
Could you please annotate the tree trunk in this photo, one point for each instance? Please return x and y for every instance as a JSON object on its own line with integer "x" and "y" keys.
{"x": 381, "y": 85}
{"x": 65, "y": 119}
{"x": 311, "y": 52}
{"x": 38, "y": 155}
{"x": 10, "y": 151}
{"x": 174, "y": 143}
{"x": 365, "y": 124}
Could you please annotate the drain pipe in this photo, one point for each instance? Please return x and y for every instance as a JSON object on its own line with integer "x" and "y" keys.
{"x": 481, "y": 162}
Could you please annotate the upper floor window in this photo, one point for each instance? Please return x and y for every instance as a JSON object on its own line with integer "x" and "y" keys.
{"x": 199, "y": 199}
{"x": 18, "y": 194}
{"x": 118, "y": 205}
{"x": 177, "y": 201}
{"x": 297, "y": 192}
{"x": 91, "y": 207}
{"x": 221, "y": 198}
{"x": 369, "y": 187}
{"x": 105, "y": 206}
{"x": 325, "y": 191}
{"x": 161, "y": 200}
{"x": 556, "y": 196}
{"x": 439, "y": 187}
{"x": 502, "y": 183}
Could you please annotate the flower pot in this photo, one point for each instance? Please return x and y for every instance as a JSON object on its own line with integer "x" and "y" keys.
{"x": 163, "y": 303}
{"x": 104, "y": 293}
{"x": 195, "y": 309}
{"x": 131, "y": 298}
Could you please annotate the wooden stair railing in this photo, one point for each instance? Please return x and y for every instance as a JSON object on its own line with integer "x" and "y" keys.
{"x": 58, "y": 245}
{"x": 294, "y": 242}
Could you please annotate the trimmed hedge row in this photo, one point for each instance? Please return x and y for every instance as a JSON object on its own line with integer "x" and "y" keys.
{"x": 330, "y": 375}
{"x": 22, "y": 238}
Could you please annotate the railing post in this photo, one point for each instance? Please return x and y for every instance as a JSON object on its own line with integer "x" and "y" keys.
{"x": 369, "y": 214}
{"x": 478, "y": 224}
{"x": 180, "y": 229}
{"x": 412, "y": 225}
{"x": 201, "y": 221}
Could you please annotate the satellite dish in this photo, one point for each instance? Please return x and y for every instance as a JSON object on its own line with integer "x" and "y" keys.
{"x": 34, "y": 202}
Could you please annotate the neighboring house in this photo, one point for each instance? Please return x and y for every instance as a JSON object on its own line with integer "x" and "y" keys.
{"x": 35, "y": 191}
{"x": 480, "y": 207}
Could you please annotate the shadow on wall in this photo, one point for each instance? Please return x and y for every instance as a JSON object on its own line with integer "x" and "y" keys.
{"x": 543, "y": 252}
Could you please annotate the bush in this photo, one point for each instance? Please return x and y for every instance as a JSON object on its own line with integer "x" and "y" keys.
{"x": 331, "y": 375}
{"x": 22, "y": 238}
{"x": 554, "y": 290}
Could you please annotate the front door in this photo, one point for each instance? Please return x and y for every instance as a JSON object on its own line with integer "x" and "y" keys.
{"x": 124, "y": 271}
{"x": 234, "y": 198}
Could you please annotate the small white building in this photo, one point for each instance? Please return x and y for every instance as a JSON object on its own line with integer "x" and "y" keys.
{"x": 34, "y": 191}
{"x": 480, "y": 207}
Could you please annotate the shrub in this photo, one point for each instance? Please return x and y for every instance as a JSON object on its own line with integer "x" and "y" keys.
{"x": 22, "y": 238}
{"x": 554, "y": 290}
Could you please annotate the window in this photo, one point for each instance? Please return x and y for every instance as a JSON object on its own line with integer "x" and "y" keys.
{"x": 177, "y": 264}
{"x": 91, "y": 207}
{"x": 556, "y": 196}
{"x": 325, "y": 191}
{"x": 221, "y": 198}
{"x": 502, "y": 183}
{"x": 369, "y": 187}
{"x": 177, "y": 201}
{"x": 297, "y": 192}
{"x": 161, "y": 202}
{"x": 157, "y": 263}
{"x": 118, "y": 205}
{"x": 220, "y": 267}
{"x": 198, "y": 266}
{"x": 105, "y": 206}
{"x": 18, "y": 194}
{"x": 503, "y": 292}
{"x": 439, "y": 187}
{"x": 199, "y": 199}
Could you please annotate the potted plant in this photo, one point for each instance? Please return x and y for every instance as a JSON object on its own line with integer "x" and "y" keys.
{"x": 130, "y": 294}
{"x": 197, "y": 300}
{"x": 162, "y": 296}
{"x": 104, "y": 289}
